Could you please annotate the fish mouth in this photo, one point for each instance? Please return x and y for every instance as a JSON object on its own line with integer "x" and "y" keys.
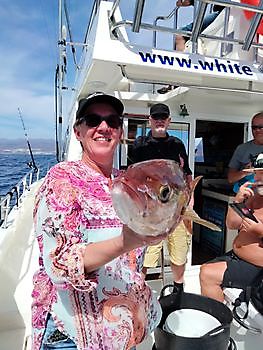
{"x": 137, "y": 197}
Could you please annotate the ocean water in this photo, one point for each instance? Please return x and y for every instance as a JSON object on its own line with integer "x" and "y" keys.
{"x": 14, "y": 166}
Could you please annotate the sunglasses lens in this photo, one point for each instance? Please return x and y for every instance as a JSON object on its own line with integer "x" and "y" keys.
{"x": 114, "y": 121}
{"x": 94, "y": 120}
{"x": 257, "y": 127}
{"x": 159, "y": 116}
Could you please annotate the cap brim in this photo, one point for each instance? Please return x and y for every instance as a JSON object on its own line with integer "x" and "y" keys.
{"x": 103, "y": 98}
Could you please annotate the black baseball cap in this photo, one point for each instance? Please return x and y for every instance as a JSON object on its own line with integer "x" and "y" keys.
{"x": 160, "y": 108}
{"x": 99, "y": 97}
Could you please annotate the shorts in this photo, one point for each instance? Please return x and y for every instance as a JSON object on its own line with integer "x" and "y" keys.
{"x": 54, "y": 339}
{"x": 178, "y": 244}
{"x": 239, "y": 273}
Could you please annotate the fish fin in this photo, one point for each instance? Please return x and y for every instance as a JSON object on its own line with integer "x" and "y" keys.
{"x": 192, "y": 215}
{"x": 195, "y": 182}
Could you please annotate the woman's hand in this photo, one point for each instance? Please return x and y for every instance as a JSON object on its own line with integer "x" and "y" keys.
{"x": 133, "y": 240}
{"x": 244, "y": 192}
{"x": 253, "y": 227}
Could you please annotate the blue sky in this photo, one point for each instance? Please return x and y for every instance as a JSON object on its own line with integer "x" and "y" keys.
{"x": 29, "y": 56}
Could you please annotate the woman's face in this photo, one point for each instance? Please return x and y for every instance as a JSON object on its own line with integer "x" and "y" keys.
{"x": 99, "y": 142}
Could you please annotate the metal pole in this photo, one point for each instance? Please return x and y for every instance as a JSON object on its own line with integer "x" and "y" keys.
{"x": 113, "y": 9}
{"x": 174, "y": 12}
{"x": 197, "y": 25}
{"x": 253, "y": 28}
{"x": 226, "y": 21}
{"x": 138, "y": 16}
{"x": 62, "y": 50}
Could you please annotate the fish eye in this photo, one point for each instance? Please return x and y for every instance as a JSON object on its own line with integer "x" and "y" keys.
{"x": 165, "y": 193}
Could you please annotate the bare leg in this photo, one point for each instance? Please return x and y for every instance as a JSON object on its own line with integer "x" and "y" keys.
{"x": 211, "y": 277}
{"x": 178, "y": 272}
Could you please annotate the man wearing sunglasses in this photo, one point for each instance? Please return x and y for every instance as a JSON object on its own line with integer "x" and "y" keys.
{"x": 244, "y": 154}
{"x": 158, "y": 144}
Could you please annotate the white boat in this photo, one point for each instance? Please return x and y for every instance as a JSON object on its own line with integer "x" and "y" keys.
{"x": 218, "y": 86}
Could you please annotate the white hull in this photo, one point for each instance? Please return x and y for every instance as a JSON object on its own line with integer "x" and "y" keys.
{"x": 18, "y": 261}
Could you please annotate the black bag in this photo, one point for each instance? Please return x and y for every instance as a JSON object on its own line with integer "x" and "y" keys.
{"x": 253, "y": 294}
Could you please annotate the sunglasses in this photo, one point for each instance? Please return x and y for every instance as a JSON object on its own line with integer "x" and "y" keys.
{"x": 257, "y": 127}
{"x": 159, "y": 116}
{"x": 114, "y": 121}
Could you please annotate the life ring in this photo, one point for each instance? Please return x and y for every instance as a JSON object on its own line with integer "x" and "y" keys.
{"x": 249, "y": 14}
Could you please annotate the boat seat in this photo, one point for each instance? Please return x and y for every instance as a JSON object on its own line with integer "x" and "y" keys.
{"x": 231, "y": 294}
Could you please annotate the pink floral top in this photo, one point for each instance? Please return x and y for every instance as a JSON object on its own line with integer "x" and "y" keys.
{"x": 108, "y": 309}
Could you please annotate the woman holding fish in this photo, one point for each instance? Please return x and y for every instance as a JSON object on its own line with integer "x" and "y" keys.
{"x": 89, "y": 292}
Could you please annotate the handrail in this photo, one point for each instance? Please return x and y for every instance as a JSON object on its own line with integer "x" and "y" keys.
{"x": 138, "y": 15}
{"x": 185, "y": 33}
{"x": 197, "y": 24}
{"x": 230, "y": 3}
{"x": 253, "y": 28}
{"x": 225, "y": 30}
{"x": 14, "y": 196}
{"x": 194, "y": 34}
{"x": 93, "y": 13}
{"x": 174, "y": 12}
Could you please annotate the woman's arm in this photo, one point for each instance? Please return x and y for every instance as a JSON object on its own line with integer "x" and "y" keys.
{"x": 99, "y": 253}
{"x": 67, "y": 257}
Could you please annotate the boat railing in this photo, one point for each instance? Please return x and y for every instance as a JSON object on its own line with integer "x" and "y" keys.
{"x": 136, "y": 24}
{"x": 14, "y": 196}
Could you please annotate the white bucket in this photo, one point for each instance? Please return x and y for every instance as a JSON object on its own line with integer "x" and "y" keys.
{"x": 190, "y": 323}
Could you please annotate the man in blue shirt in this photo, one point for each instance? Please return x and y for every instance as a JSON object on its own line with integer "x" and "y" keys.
{"x": 244, "y": 154}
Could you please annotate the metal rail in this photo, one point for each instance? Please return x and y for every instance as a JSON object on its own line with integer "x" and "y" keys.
{"x": 253, "y": 28}
{"x": 197, "y": 22}
{"x": 13, "y": 198}
{"x": 229, "y": 3}
{"x": 174, "y": 12}
{"x": 185, "y": 33}
{"x": 138, "y": 16}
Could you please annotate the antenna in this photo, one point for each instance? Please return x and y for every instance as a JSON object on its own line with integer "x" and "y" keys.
{"x": 31, "y": 164}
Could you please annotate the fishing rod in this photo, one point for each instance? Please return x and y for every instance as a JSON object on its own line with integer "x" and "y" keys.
{"x": 31, "y": 164}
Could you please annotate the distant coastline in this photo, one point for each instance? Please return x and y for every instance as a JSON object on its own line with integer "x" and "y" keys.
{"x": 19, "y": 146}
{"x": 25, "y": 151}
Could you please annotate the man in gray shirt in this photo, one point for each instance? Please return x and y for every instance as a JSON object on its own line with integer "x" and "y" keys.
{"x": 244, "y": 154}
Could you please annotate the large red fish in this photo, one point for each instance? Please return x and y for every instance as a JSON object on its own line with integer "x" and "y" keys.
{"x": 152, "y": 197}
